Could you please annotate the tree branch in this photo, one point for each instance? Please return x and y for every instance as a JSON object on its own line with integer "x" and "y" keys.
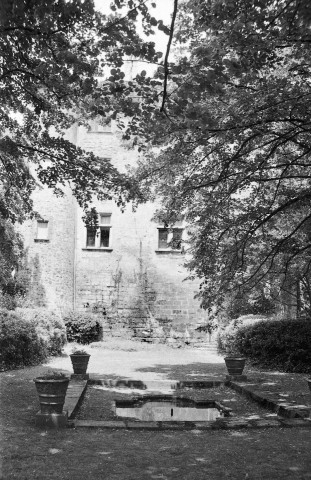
{"x": 166, "y": 70}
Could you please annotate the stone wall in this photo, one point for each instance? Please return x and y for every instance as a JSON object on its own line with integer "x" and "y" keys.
{"x": 136, "y": 285}
{"x": 139, "y": 290}
{"x": 50, "y": 262}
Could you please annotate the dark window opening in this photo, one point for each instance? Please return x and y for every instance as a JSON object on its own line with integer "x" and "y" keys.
{"x": 176, "y": 241}
{"x": 170, "y": 239}
{"x": 100, "y": 237}
{"x": 163, "y": 238}
{"x": 90, "y": 237}
{"x": 104, "y": 237}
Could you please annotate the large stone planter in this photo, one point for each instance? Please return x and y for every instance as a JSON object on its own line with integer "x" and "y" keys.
{"x": 235, "y": 365}
{"x": 52, "y": 394}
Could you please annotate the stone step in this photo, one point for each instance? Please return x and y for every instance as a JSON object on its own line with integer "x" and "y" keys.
{"x": 207, "y": 346}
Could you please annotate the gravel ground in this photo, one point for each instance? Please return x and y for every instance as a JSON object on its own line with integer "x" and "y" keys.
{"x": 144, "y": 361}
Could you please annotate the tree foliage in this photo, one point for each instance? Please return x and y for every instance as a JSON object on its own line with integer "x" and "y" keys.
{"x": 224, "y": 125}
{"x": 233, "y": 145}
{"x": 52, "y": 53}
{"x": 11, "y": 251}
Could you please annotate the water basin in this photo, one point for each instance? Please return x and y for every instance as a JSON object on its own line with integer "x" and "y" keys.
{"x": 169, "y": 409}
{"x": 160, "y": 386}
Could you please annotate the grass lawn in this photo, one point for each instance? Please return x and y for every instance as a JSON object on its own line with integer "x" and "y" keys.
{"x": 73, "y": 454}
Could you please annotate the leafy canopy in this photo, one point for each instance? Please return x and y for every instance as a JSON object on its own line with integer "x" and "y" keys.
{"x": 234, "y": 141}
{"x": 52, "y": 54}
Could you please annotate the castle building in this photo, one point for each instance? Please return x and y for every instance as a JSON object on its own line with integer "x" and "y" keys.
{"x": 127, "y": 271}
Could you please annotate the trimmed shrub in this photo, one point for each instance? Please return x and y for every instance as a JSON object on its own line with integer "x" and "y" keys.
{"x": 226, "y": 335}
{"x": 284, "y": 345}
{"x": 82, "y": 327}
{"x": 29, "y": 336}
{"x": 20, "y": 344}
{"x": 49, "y": 327}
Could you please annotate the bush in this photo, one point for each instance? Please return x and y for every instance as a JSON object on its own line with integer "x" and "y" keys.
{"x": 7, "y": 302}
{"x": 29, "y": 336}
{"x": 49, "y": 327}
{"x": 82, "y": 327}
{"x": 279, "y": 344}
{"x": 20, "y": 344}
{"x": 226, "y": 335}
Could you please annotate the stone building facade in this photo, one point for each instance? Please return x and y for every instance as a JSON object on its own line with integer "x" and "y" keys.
{"x": 126, "y": 272}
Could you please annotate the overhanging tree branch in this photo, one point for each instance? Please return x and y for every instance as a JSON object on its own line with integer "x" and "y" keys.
{"x": 166, "y": 69}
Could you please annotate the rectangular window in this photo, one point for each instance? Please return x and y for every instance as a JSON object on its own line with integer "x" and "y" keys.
{"x": 100, "y": 238}
{"x": 170, "y": 239}
{"x": 90, "y": 237}
{"x": 104, "y": 237}
{"x": 163, "y": 238}
{"x": 42, "y": 230}
{"x": 105, "y": 218}
{"x": 177, "y": 238}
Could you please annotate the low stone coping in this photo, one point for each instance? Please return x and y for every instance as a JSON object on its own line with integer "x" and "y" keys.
{"x": 176, "y": 384}
{"x": 293, "y": 415}
{"x": 222, "y": 423}
{"x": 271, "y": 400}
{"x": 74, "y": 396}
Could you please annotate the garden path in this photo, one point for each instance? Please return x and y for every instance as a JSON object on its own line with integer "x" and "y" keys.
{"x": 136, "y": 360}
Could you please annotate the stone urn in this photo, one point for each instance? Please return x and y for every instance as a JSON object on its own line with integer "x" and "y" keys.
{"x": 51, "y": 390}
{"x": 79, "y": 360}
{"x": 235, "y": 365}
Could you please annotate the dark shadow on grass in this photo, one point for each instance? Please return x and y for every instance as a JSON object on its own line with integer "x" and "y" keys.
{"x": 19, "y": 400}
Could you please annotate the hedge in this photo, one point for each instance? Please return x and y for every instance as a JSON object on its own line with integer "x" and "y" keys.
{"x": 226, "y": 335}
{"x": 29, "y": 336}
{"x": 82, "y": 327}
{"x": 284, "y": 345}
{"x": 49, "y": 326}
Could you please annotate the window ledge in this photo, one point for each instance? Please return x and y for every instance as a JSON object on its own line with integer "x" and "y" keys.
{"x": 95, "y": 249}
{"x": 99, "y": 133}
{"x": 174, "y": 252}
{"x": 41, "y": 240}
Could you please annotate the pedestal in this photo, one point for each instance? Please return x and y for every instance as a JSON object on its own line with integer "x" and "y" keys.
{"x": 237, "y": 378}
{"x": 80, "y": 376}
{"x": 52, "y": 420}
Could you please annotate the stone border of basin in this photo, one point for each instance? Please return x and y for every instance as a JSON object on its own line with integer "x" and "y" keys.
{"x": 271, "y": 400}
{"x": 77, "y": 388}
{"x": 141, "y": 386}
{"x": 223, "y": 424}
